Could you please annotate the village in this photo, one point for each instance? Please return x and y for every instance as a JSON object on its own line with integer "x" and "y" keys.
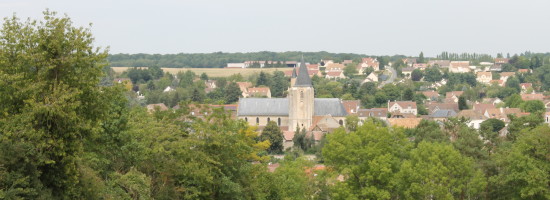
{"x": 432, "y": 101}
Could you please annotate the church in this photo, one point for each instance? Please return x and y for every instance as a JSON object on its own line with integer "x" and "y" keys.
{"x": 299, "y": 109}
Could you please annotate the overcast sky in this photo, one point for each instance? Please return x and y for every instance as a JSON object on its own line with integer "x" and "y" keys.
{"x": 383, "y": 27}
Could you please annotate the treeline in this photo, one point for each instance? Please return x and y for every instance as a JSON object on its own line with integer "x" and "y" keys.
{"x": 220, "y": 59}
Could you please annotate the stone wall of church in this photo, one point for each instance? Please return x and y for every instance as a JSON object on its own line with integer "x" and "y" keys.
{"x": 262, "y": 120}
{"x": 301, "y": 106}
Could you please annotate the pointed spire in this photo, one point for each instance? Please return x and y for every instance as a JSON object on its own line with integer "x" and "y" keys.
{"x": 303, "y": 79}
{"x": 294, "y": 74}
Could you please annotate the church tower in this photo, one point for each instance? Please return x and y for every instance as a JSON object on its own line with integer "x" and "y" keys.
{"x": 300, "y": 100}
{"x": 293, "y": 77}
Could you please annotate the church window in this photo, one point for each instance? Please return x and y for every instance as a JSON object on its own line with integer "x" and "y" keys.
{"x": 301, "y": 95}
{"x": 279, "y": 121}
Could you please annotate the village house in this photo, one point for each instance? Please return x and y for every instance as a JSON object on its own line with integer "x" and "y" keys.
{"x": 453, "y": 96}
{"x": 495, "y": 68}
{"x": 156, "y": 107}
{"x": 407, "y": 71}
{"x": 525, "y": 87}
{"x": 505, "y": 75}
{"x": 497, "y": 82}
{"x": 459, "y": 67}
{"x": 529, "y": 97}
{"x": 404, "y": 122}
{"x": 482, "y": 107}
{"x": 431, "y": 95}
{"x": 484, "y": 77}
{"x": 259, "y": 92}
{"x": 523, "y": 71}
{"x": 244, "y": 88}
{"x": 335, "y": 75}
{"x": 475, "y": 118}
{"x": 493, "y": 101}
{"x": 402, "y": 107}
{"x": 372, "y": 77}
{"x": 442, "y": 115}
{"x": 501, "y": 61}
{"x": 502, "y": 113}
{"x": 381, "y": 113}
{"x": 334, "y": 67}
{"x": 409, "y": 61}
{"x": 351, "y": 106}
{"x": 432, "y": 107}
{"x": 345, "y": 62}
{"x": 420, "y": 66}
{"x": 366, "y": 63}
{"x": 440, "y": 63}
{"x": 210, "y": 86}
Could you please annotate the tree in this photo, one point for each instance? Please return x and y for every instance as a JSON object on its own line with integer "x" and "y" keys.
{"x": 429, "y": 131}
{"x": 368, "y": 70}
{"x": 232, "y": 93}
{"x": 408, "y": 95}
{"x": 369, "y": 157}
{"x": 421, "y": 58}
{"x": 204, "y": 76}
{"x": 432, "y": 74}
{"x": 350, "y": 70}
{"x": 352, "y": 121}
{"x": 279, "y": 84}
{"x": 524, "y": 167}
{"x": 274, "y": 135}
{"x": 438, "y": 171}
{"x": 462, "y": 105}
{"x": 492, "y": 124}
{"x": 156, "y": 72}
{"x": 50, "y": 104}
{"x": 416, "y": 75}
{"x": 532, "y": 106}
{"x": 263, "y": 79}
{"x": 513, "y": 82}
{"x": 513, "y": 101}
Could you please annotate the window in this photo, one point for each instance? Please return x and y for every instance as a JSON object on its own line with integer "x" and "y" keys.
{"x": 301, "y": 95}
{"x": 257, "y": 120}
{"x": 279, "y": 121}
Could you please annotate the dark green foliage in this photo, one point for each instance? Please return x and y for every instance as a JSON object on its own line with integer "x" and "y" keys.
{"x": 274, "y": 135}
{"x": 532, "y": 106}
{"x": 462, "y": 104}
{"x": 232, "y": 93}
{"x": 416, "y": 75}
{"x": 432, "y": 74}
{"x": 428, "y": 131}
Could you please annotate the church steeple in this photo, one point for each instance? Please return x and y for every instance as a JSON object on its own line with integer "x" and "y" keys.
{"x": 303, "y": 79}
{"x": 294, "y": 74}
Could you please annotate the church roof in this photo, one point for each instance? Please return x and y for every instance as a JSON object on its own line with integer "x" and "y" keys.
{"x": 303, "y": 79}
{"x": 263, "y": 107}
{"x": 294, "y": 74}
{"x": 279, "y": 107}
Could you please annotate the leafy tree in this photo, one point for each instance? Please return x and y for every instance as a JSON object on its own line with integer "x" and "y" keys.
{"x": 421, "y": 58}
{"x": 513, "y": 82}
{"x": 524, "y": 167}
{"x": 432, "y": 74}
{"x": 50, "y": 104}
{"x": 416, "y": 75}
{"x": 204, "y": 76}
{"x": 462, "y": 105}
{"x": 279, "y": 84}
{"x": 274, "y": 135}
{"x": 429, "y": 131}
{"x": 368, "y": 70}
{"x": 350, "y": 70}
{"x": 532, "y": 106}
{"x": 232, "y": 93}
{"x": 263, "y": 79}
{"x": 352, "y": 121}
{"x": 513, "y": 101}
{"x": 408, "y": 95}
{"x": 156, "y": 72}
{"x": 369, "y": 158}
{"x": 492, "y": 124}
{"x": 439, "y": 171}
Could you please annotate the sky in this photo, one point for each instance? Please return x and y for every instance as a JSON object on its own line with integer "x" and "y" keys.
{"x": 383, "y": 27}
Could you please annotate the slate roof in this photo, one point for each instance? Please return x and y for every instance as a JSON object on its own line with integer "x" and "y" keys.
{"x": 303, "y": 79}
{"x": 443, "y": 114}
{"x": 263, "y": 107}
{"x": 329, "y": 106}
{"x": 279, "y": 107}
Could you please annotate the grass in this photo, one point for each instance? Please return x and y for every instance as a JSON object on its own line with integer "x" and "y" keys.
{"x": 215, "y": 72}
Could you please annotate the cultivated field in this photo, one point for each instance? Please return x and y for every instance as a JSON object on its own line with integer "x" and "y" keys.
{"x": 214, "y": 72}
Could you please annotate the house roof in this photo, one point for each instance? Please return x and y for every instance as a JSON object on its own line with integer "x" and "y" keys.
{"x": 527, "y": 97}
{"x": 430, "y": 94}
{"x": 303, "y": 79}
{"x": 403, "y": 104}
{"x": 351, "y": 106}
{"x": 454, "y": 93}
{"x": 335, "y": 66}
{"x": 404, "y": 122}
{"x": 459, "y": 64}
{"x": 471, "y": 114}
{"x": 334, "y": 74}
{"x": 434, "y": 106}
{"x": 487, "y": 74}
{"x": 503, "y": 74}
{"x": 329, "y": 106}
{"x": 161, "y": 107}
{"x": 443, "y": 114}
{"x": 326, "y": 123}
{"x": 482, "y": 107}
{"x": 523, "y": 70}
{"x": 526, "y": 85}
{"x": 263, "y": 90}
{"x": 373, "y": 112}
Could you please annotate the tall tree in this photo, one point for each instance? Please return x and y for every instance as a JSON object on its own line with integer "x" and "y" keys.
{"x": 49, "y": 102}
{"x": 274, "y": 135}
{"x": 421, "y": 58}
{"x": 462, "y": 104}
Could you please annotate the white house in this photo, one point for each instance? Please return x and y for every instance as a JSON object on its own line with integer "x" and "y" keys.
{"x": 402, "y": 107}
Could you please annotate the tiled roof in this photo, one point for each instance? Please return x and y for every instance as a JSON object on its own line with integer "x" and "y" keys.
{"x": 351, "y": 106}
{"x": 279, "y": 107}
{"x": 527, "y": 97}
{"x": 403, "y": 104}
{"x": 443, "y": 114}
{"x": 405, "y": 122}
